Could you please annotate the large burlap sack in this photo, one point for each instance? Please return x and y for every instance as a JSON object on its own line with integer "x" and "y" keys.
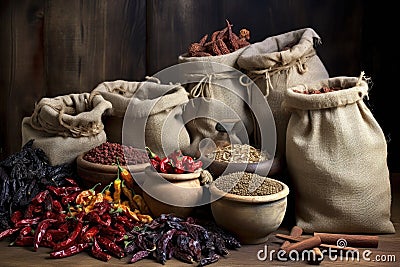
{"x": 153, "y": 116}
{"x": 218, "y": 95}
{"x": 278, "y": 63}
{"x": 66, "y": 126}
{"x": 336, "y": 155}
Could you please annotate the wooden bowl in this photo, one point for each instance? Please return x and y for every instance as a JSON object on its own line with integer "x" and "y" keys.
{"x": 264, "y": 168}
{"x": 93, "y": 173}
{"x": 250, "y": 218}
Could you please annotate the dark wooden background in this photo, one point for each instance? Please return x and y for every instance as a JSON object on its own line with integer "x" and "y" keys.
{"x": 57, "y": 47}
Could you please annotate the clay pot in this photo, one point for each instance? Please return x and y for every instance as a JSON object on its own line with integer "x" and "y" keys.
{"x": 250, "y": 218}
{"x": 171, "y": 193}
{"x": 264, "y": 168}
{"x": 93, "y": 173}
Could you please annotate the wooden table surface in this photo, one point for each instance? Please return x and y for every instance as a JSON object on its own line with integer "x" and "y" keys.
{"x": 389, "y": 248}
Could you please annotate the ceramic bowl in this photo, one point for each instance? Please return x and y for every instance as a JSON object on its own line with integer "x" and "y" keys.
{"x": 264, "y": 168}
{"x": 93, "y": 173}
{"x": 171, "y": 193}
{"x": 250, "y": 218}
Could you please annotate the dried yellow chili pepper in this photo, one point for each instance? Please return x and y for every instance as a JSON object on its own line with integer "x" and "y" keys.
{"x": 144, "y": 209}
{"x": 117, "y": 189}
{"x": 129, "y": 194}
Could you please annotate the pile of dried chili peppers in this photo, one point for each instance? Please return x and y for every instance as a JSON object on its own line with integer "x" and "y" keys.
{"x": 175, "y": 162}
{"x": 70, "y": 220}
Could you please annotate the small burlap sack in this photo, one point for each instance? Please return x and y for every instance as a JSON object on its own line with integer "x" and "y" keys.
{"x": 158, "y": 108}
{"x": 221, "y": 96}
{"x": 278, "y": 63}
{"x": 66, "y": 126}
{"x": 336, "y": 155}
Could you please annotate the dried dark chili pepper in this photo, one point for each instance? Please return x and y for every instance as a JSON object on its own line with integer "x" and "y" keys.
{"x": 207, "y": 261}
{"x": 139, "y": 255}
{"x": 70, "y": 251}
{"x": 41, "y": 230}
{"x": 161, "y": 252}
{"x": 111, "y": 246}
{"x": 185, "y": 257}
{"x": 8, "y": 232}
{"x": 98, "y": 253}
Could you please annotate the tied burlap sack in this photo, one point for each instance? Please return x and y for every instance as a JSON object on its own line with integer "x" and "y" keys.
{"x": 214, "y": 85}
{"x": 278, "y": 63}
{"x": 153, "y": 117}
{"x": 66, "y": 126}
{"x": 119, "y": 93}
{"x": 336, "y": 155}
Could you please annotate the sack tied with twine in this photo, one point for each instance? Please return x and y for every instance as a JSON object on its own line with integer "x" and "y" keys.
{"x": 218, "y": 96}
{"x": 278, "y": 63}
{"x": 336, "y": 156}
{"x": 66, "y": 126}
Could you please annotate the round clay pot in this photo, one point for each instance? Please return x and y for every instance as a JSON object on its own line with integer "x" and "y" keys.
{"x": 263, "y": 168}
{"x": 171, "y": 193}
{"x": 250, "y": 218}
{"x": 93, "y": 173}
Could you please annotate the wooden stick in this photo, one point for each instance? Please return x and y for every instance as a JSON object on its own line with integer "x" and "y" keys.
{"x": 364, "y": 241}
{"x": 295, "y": 232}
{"x": 308, "y": 243}
{"x": 298, "y": 239}
{"x": 319, "y": 257}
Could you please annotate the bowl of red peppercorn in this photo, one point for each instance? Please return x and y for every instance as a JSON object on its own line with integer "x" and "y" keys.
{"x": 100, "y": 164}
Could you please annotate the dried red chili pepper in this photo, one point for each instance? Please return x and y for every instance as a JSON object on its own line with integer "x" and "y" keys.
{"x": 25, "y": 231}
{"x": 90, "y": 234}
{"x": 69, "y": 198}
{"x": 166, "y": 166}
{"x": 98, "y": 253}
{"x": 155, "y": 164}
{"x": 139, "y": 255}
{"x": 71, "y": 181}
{"x": 70, "y": 251}
{"x": 16, "y": 216}
{"x": 27, "y": 222}
{"x": 152, "y": 155}
{"x": 40, "y": 231}
{"x": 71, "y": 239}
{"x": 179, "y": 168}
{"x": 26, "y": 241}
{"x": 111, "y": 246}
{"x": 95, "y": 218}
{"x": 40, "y": 197}
{"x": 8, "y": 232}
{"x": 63, "y": 191}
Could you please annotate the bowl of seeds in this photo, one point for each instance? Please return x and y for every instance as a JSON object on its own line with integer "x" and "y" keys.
{"x": 248, "y": 205}
{"x": 241, "y": 157}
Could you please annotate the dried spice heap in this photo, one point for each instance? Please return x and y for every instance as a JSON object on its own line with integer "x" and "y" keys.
{"x": 222, "y": 42}
{"x": 238, "y": 153}
{"x": 248, "y": 184}
{"x": 320, "y": 91}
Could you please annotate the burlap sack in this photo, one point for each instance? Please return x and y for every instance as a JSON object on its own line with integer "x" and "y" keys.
{"x": 158, "y": 108}
{"x": 278, "y": 63}
{"x": 66, "y": 126}
{"x": 223, "y": 98}
{"x": 119, "y": 93}
{"x": 336, "y": 155}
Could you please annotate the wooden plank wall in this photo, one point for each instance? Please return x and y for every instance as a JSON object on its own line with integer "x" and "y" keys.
{"x": 51, "y": 48}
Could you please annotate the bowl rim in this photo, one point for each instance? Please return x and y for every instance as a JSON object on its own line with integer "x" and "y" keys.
{"x": 173, "y": 176}
{"x": 216, "y": 192}
{"x": 81, "y": 162}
